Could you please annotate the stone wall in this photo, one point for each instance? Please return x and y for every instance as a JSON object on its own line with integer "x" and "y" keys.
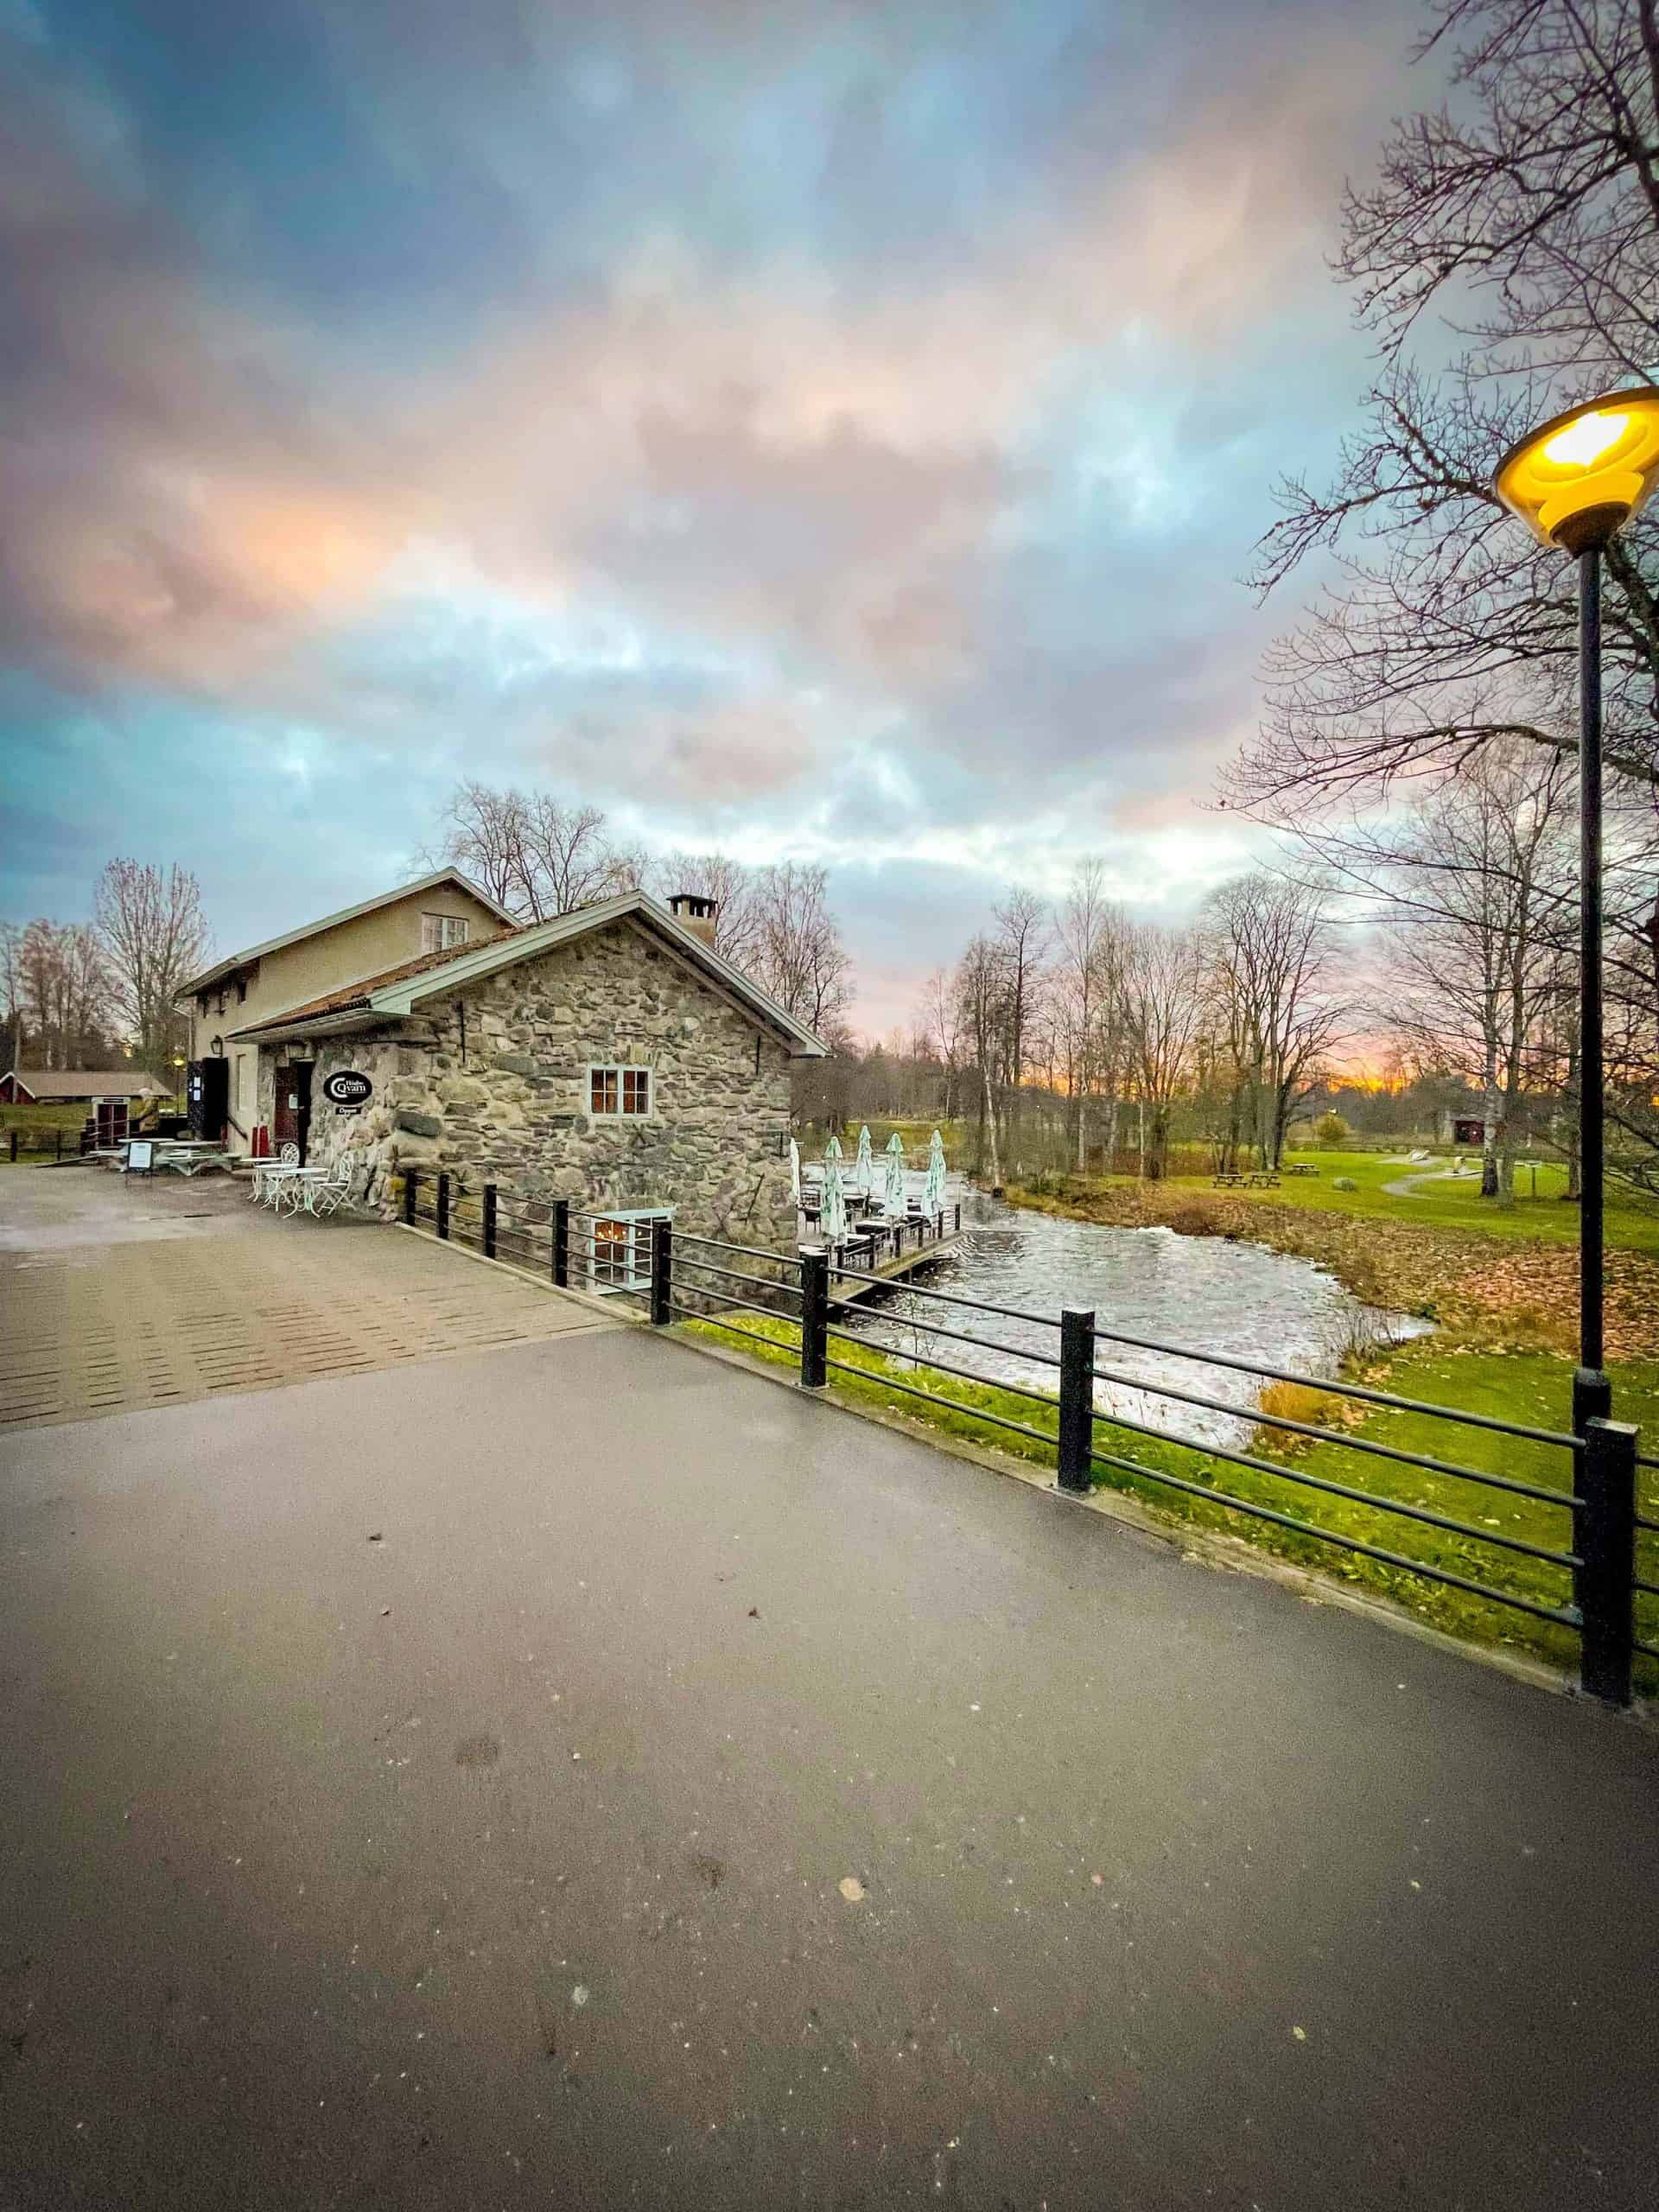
{"x": 493, "y": 1085}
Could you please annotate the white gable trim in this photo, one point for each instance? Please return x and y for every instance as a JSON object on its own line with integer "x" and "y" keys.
{"x": 210, "y": 976}
{"x": 634, "y": 908}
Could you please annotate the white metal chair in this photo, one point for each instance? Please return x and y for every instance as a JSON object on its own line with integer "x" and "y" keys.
{"x": 289, "y": 1155}
{"x": 326, "y": 1197}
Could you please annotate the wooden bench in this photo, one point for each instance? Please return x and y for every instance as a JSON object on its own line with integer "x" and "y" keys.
{"x": 1301, "y": 1168}
{"x": 1229, "y": 1182}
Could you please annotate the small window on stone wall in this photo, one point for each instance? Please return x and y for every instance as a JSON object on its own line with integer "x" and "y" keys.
{"x": 619, "y": 1091}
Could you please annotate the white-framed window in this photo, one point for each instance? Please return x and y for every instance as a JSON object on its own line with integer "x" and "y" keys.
{"x": 618, "y": 1093}
{"x": 440, "y": 931}
{"x": 614, "y": 1252}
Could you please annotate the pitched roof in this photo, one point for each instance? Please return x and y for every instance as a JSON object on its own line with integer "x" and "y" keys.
{"x": 390, "y": 996}
{"x": 348, "y": 997}
{"x": 209, "y": 976}
{"x": 86, "y": 1083}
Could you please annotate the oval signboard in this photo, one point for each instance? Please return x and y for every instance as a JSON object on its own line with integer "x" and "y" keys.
{"x": 346, "y": 1087}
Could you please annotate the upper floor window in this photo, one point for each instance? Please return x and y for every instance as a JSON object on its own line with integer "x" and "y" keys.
{"x": 619, "y": 1090}
{"x": 440, "y": 931}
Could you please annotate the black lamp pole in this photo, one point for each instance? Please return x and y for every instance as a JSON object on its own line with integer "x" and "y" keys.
{"x": 1593, "y": 1392}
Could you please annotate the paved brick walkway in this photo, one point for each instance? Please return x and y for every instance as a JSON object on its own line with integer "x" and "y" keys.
{"x": 118, "y": 1295}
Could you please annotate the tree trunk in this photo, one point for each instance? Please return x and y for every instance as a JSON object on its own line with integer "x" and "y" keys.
{"x": 988, "y": 1120}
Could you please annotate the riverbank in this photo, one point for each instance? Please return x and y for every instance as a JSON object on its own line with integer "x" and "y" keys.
{"x": 1495, "y": 1293}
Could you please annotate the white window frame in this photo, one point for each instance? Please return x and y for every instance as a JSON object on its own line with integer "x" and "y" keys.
{"x": 619, "y": 1069}
{"x": 610, "y": 1248}
{"x": 443, "y": 932}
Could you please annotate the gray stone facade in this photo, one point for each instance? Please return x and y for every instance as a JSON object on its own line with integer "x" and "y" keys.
{"x": 493, "y": 1084}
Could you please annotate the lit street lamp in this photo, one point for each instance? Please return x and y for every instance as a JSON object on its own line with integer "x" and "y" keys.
{"x": 1575, "y": 481}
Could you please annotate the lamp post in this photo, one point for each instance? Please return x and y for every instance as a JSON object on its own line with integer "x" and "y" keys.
{"x": 1575, "y": 481}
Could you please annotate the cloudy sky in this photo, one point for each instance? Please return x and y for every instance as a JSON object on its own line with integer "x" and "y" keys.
{"x": 823, "y": 430}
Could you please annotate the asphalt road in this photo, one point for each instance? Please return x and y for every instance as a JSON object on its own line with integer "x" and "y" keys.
{"x": 578, "y": 1774}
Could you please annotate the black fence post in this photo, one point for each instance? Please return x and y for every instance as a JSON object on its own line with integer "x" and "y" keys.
{"x": 562, "y": 1243}
{"x": 57, "y": 1142}
{"x": 958, "y": 1216}
{"x": 1076, "y": 1438}
{"x": 489, "y": 1221}
{"x": 411, "y": 1178}
{"x": 14, "y": 1148}
{"x": 1604, "y": 1526}
{"x": 443, "y": 1204}
{"x": 815, "y": 1317}
{"x": 661, "y": 1274}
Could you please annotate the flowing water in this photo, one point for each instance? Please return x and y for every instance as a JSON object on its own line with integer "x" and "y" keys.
{"x": 1200, "y": 1292}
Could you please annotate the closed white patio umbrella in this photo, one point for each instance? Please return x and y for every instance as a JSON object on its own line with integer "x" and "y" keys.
{"x": 832, "y": 1223}
{"x": 894, "y": 1196}
{"x": 864, "y": 1164}
{"x": 933, "y": 1197}
{"x": 795, "y": 1169}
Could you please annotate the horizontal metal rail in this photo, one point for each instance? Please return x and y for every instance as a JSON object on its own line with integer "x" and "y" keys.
{"x": 1648, "y": 1589}
{"x": 733, "y": 1275}
{"x": 1256, "y": 1417}
{"x": 1359, "y": 1390}
{"x": 1643, "y": 1521}
{"x": 1281, "y": 1472}
{"x": 945, "y": 1297}
{"x": 937, "y": 1329}
{"x": 682, "y": 1236}
{"x": 943, "y": 1367}
{"x": 1565, "y": 1616}
{"x": 746, "y": 1304}
{"x": 953, "y": 1405}
{"x": 1647, "y": 1650}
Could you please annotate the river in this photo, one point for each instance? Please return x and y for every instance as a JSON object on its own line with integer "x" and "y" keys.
{"x": 1204, "y": 1292}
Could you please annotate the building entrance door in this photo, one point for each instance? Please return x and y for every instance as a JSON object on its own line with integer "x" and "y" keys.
{"x": 293, "y": 1118}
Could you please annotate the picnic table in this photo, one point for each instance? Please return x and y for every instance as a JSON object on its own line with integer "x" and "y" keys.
{"x": 1246, "y": 1178}
{"x": 184, "y": 1155}
{"x": 1301, "y": 1168}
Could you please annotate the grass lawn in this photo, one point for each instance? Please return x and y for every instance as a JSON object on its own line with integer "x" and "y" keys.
{"x": 37, "y": 1127}
{"x": 1632, "y": 1221}
{"x": 1526, "y": 1387}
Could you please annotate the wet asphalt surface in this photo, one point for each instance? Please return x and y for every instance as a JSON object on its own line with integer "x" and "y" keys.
{"x": 580, "y": 1774}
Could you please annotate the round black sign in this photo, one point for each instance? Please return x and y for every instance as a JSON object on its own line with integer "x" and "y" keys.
{"x": 346, "y": 1087}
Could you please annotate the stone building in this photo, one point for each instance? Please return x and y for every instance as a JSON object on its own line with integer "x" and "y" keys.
{"x": 441, "y": 912}
{"x": 609, "y": 1056}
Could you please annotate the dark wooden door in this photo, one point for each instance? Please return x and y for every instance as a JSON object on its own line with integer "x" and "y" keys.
{"x": 111, "y": 1122}
{"x": 293, "y": 1119}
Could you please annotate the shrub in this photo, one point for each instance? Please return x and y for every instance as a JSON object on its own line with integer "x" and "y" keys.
{"x": 1331, "y": 1131}
{"x": 1297, "y": 1402}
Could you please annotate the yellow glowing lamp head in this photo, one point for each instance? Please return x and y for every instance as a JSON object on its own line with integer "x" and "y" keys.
{"x": 1579, "y": 478}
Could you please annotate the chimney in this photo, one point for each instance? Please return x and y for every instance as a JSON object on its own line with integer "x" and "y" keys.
{"x": 696, "y": 913}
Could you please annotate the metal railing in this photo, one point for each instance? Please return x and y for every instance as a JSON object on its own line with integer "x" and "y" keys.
{"x": 706, "y": 1279}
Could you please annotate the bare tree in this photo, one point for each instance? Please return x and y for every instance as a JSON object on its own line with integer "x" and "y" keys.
{"x": 1164, "y": 1000}
{"x": 11, "y": 987}
{"x": 1478, "y": 882}
{"x": 151, "y": 925}
{"x": 1272, "y": 942}
{"x": 531, "y": 852}
{"x": 799, "y": 954}
{"x": 1089, "y": 995}
{"x": 1525, "y": 218}
{"x": 731, "y": 885}
{"x": 939, "y": 1020}
{"x": 1021, "y": 946}
{"x": 981, "y": 987}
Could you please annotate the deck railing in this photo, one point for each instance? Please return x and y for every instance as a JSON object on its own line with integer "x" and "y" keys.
{"x": 1603, "y": 1521}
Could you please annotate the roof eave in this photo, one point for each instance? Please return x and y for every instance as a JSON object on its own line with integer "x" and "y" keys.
{"x": 211, "y": 977}
{"x": 399, "y": 999}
